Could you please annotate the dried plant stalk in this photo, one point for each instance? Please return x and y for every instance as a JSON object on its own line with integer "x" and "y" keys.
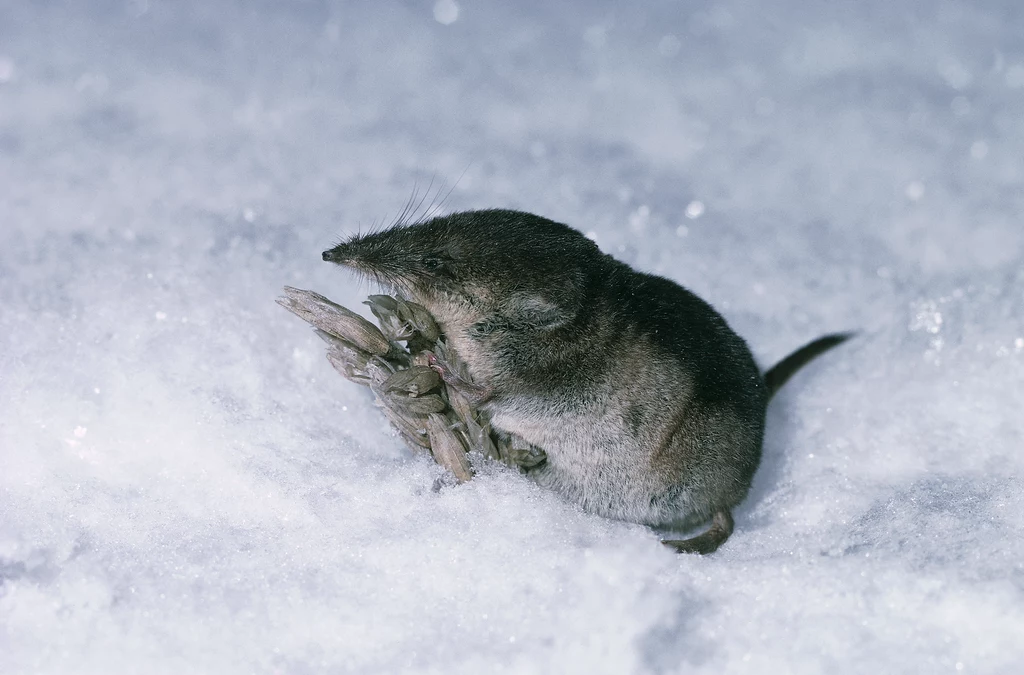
{"x": 425, "y": 411}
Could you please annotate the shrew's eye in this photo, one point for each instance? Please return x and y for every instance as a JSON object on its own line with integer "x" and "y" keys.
{"x": 437, "y": 266}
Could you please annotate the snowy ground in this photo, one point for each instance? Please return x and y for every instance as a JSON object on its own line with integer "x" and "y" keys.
{"x": 186, "y": 486}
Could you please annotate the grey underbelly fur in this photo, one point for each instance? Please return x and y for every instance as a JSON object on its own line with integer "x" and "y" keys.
{"x": 602, "y": 467}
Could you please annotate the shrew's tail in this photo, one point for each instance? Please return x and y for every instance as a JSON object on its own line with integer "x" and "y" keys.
{"x": 784, "y": 369}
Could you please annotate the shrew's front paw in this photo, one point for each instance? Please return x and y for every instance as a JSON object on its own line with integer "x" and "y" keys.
{"x": 475, "y": 394}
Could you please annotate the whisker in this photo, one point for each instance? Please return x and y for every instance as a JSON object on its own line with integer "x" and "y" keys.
{"x": 426, "y": 192}
{"x": 435, "y": 210}
{"x": 408, "y": 206}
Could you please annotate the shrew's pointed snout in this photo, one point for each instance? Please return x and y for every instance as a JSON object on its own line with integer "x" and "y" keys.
{"x": 333, "y": 255}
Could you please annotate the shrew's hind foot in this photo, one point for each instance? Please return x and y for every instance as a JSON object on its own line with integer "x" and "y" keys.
{"x": 708, "y": 542}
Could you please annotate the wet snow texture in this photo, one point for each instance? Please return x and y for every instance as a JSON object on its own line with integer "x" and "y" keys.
{"x": 186, "y": 486}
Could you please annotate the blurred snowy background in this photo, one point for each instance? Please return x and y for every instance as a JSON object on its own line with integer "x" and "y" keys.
{"x": 186, "y": 485}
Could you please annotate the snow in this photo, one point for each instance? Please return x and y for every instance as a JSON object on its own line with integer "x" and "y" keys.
{"x": 186, "y": 486}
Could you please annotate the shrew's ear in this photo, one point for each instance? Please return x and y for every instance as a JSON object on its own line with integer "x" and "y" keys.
{"x": 550, "y": 307}
{"x": 523, "y": 311}
{"x": 537, "y": 311}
